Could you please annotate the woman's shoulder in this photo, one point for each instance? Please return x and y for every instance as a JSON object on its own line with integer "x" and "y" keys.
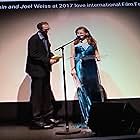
{"x": 78, "y": 44}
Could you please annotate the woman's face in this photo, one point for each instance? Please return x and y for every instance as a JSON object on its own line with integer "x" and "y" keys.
{"x": 81, "y": 34}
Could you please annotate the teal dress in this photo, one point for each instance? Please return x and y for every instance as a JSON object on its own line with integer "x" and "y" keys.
{"x": 87, "y": 73}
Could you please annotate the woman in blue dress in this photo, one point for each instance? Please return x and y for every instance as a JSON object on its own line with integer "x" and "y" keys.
{"x": 84, "y": 53}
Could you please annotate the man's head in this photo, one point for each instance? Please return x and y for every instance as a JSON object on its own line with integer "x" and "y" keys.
{"x": 43, "y": 27}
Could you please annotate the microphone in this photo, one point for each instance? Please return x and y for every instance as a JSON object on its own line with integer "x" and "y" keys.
{"x": 77, "y": 37}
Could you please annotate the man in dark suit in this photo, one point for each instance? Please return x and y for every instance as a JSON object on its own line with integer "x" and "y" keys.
{"x": 38, "y": 66}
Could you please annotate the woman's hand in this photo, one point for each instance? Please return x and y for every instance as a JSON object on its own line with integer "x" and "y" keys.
{"x": 73, "y": 72}
{"x": 98, "y": 58}
{"x": 97, "y": 55}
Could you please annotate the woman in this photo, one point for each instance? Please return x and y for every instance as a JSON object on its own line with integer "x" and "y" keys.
{"x": 84, "y": 53}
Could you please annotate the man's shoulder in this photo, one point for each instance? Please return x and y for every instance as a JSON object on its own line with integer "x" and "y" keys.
{"x": 34, "y": 36}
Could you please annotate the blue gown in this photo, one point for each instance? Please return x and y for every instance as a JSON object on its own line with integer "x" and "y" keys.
{"x": 87, "y": 73}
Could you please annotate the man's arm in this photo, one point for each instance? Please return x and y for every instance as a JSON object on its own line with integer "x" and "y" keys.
{"x": 36, "y": 53}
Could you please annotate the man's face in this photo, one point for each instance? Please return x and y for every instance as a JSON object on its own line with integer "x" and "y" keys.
{"x": 45, "y": 28}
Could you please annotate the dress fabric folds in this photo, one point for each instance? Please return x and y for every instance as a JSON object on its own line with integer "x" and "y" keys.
{"x": 87, "y": 77}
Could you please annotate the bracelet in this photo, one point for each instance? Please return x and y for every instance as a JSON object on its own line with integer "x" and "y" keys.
{"x": 73, "y": 68}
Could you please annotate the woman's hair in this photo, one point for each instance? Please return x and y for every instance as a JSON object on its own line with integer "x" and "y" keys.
{"x": 90, "y": 39}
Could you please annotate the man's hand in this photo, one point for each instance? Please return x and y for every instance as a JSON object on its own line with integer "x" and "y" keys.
{"x": 53, "y": 61}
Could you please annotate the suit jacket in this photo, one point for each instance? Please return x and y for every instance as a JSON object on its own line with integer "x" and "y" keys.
{"x": 38, "y": 59}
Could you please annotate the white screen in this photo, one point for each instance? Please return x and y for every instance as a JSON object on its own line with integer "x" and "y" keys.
{"x": 114, "y": 26}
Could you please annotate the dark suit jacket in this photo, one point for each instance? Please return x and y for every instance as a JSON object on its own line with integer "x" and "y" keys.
{"x": 38, "y": 60}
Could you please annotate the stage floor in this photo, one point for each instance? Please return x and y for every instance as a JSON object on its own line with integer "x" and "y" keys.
{"x": 22, "y": 132}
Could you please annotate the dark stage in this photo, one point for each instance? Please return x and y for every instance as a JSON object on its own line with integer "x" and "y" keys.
{"x": 110, "y": 120}
{"x": 20, "y": 132}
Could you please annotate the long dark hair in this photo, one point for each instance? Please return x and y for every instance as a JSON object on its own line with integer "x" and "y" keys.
{"x": 90, "y": 39}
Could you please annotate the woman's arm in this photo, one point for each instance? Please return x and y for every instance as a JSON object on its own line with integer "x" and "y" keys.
{"x": 72, "y": 63}
{"x": 97, "y": 54}
{"x": 72, "y": 55}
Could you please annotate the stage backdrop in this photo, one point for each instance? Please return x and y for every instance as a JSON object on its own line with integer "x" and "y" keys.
{"x": 118, "y": 38}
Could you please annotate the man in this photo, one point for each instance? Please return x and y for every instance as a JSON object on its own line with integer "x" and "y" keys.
{"x": 38, "y": 66}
